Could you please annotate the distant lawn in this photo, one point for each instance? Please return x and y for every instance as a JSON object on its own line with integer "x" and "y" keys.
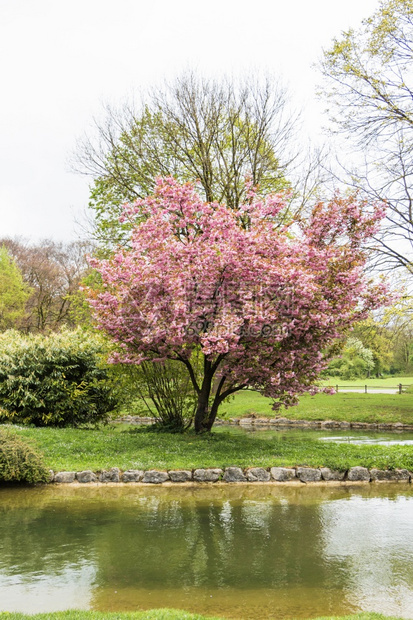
{"x": 351, "y": 407}
{"x": 386, "y": 408}
{"x": 142, "y": 448}
{"x": 373, "y": 381}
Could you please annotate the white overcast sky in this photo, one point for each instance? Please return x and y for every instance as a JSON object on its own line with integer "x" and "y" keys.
{"x": 61, "y": 59}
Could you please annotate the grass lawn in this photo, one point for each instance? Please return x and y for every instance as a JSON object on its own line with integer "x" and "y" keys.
{"x": 351, "y": 407}
{"x": 390, "y": 382}
{"x": 131, "y": 447}
{"x": 142, "y": 448}
{"x": 156, "y": 614}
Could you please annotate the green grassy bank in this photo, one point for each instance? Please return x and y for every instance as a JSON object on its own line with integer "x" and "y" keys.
{"x": 157, "y": 614}
{"x": 142, "y": 448}
{"x": 129, "y": 447}
{"x": 153, "y": 614}
{"x": 372, "y": 408}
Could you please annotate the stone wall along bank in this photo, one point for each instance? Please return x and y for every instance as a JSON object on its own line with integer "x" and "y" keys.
{"x": 233, "y": 474}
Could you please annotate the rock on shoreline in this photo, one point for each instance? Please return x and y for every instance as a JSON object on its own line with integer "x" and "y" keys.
{"x": 238, "y": 475}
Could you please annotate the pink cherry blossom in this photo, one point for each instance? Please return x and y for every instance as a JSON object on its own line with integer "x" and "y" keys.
{"x": 260, "y": 302}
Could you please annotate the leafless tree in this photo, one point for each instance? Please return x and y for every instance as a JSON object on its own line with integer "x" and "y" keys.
{"x": 369, "y": 91}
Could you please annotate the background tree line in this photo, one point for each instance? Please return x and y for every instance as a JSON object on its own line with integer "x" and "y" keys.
{"x": 40, "y": 283}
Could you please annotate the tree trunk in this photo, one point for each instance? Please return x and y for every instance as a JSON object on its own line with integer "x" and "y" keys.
{"x": 202, "y": 412}
{"x": 201, "y": 416}
{"x": 205, "y": 414}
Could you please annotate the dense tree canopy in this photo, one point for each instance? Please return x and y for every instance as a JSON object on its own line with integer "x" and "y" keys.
{"x": 355, "y": 361}
{"x": 257, "y": 301}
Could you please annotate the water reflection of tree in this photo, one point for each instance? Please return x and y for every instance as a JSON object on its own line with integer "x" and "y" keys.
{"x": 156, "y": 538}
{"x": 247, "y": 543}
{"x": 250, "y": 538}
{"x": 39, "y": 537}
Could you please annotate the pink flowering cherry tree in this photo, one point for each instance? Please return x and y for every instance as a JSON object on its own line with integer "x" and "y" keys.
{"x": 257, "y": 300}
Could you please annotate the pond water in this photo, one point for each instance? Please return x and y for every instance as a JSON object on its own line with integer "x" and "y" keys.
{"x": 256, "y": 551}
{"x": 379, "y": 437}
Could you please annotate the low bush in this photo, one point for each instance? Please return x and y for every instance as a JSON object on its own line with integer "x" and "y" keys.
{"x": 56, "y": 380}
{"x": 162, "y": 390}
{"x": 19, "y": 460}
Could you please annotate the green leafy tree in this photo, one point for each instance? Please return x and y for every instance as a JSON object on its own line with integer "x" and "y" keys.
{"x": 398, "y": 320}
{"x": 378, "y": 338}
{"x": 14, "y": 293}
{"x": 215, "y": 134}
{"x": 355, "y": 361}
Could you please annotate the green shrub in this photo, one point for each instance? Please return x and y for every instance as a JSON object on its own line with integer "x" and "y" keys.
{"x": 56, "y": 380}
{"x": 163, "y": 391}
{"x": 19, "y": 460}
